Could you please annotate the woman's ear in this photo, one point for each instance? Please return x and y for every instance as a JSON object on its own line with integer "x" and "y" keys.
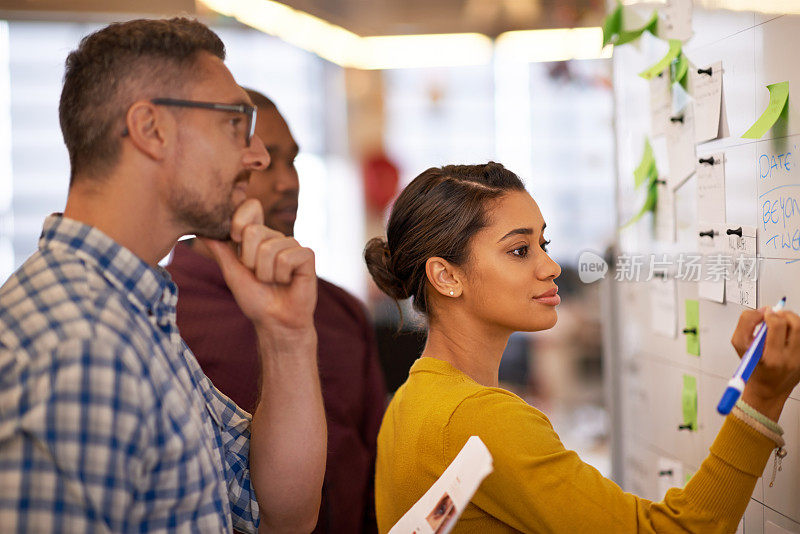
{"x": 147, "y": 128}
{"x": 443, "y": 276}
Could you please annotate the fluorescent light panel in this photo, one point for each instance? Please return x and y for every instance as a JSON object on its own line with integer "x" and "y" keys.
{"x": 399, "y": 51}
{"x": 347, "y": 49}
{"x": 553, "y": 45}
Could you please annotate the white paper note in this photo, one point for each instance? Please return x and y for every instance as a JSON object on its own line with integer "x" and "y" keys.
{"x": 741, "y": 282}
{"x": 670, "y": 475}
{"x": 664, "y": 306}
{"x": 706, "y": 90}
{"x": 680, "y": 98}
{"x": 441, "y": 506}
{"x": 711, "y": 188}
{"x": 676, "y": 20}
{"x": 681, "y": 147}
{"x": 712, "y": 244}
{"x": 660, "y": 103}
{"x": 665, "y": 214}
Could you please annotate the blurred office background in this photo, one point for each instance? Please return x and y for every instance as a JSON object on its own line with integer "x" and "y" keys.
{"x": 539, "y": 102}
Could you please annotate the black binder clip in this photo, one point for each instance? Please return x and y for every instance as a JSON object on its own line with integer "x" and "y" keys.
{"x": 709, "y": 233}
{"x": 738, "y": 231}
{"x": 707, "y": 71}
{"x": 679, "y": 118}
{"x": 707, "y": 161}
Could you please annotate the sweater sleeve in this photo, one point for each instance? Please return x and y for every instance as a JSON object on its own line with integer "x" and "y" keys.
{"x": 539, "y": 486}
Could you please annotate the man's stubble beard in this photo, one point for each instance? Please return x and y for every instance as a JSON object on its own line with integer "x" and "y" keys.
{"x": 209, "y": 218}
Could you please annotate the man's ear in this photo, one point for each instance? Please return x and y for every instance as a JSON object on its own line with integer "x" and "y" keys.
{"x": 444, "y": 276}
{"x": 149, "y": 128}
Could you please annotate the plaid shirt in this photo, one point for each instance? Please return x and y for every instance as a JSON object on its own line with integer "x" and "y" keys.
{"x": 107, "y": 423}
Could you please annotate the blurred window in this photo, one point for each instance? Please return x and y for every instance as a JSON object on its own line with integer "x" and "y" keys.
{"x": 551, "y": 123}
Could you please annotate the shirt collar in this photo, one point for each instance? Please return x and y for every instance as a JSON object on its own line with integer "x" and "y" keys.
{"x": 148, "y": 288}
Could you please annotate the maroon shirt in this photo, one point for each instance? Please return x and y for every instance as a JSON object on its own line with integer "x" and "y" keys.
{"x": 224, "y": 342}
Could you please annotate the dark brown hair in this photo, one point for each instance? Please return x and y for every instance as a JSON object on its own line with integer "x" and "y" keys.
{"x": 116, "y": 66}
{"x": 436, "y": 215}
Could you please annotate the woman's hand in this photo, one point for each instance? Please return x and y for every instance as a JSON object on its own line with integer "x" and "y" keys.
{"x": 778, "y": 372}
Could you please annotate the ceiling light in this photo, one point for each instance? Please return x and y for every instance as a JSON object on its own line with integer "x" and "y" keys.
{"x": 399, "y": 51}
{"x": 347, "y": 49}
{"x": 553, "y": 45}
{"x": 301, "y": 29}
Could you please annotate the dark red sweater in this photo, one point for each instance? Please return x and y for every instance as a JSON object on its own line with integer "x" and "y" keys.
{"x": 224, "y": 342}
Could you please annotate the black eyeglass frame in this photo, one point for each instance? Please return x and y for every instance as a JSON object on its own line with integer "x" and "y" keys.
{"x": 249, "y": 111}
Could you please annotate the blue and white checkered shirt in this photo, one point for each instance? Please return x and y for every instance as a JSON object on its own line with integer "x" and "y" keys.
{"x": 107, "y": 422}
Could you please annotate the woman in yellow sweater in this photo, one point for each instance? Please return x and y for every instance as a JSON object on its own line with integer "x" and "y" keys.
{"x": 467, "y": 244}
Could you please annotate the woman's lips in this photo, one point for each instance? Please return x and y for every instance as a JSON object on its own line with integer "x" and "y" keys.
{"x": 549, "y": 298}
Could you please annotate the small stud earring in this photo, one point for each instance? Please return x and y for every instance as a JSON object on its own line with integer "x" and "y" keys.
{"x": 452, "y": 293}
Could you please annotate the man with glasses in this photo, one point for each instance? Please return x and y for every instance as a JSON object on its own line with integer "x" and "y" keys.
{"x": 224, "y": 340}
{"x": 107, "y": 422}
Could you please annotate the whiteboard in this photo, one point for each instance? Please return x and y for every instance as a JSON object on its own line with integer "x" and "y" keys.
{"x": 762, "y": 191}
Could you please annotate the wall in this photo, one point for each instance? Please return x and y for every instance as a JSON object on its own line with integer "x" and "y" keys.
{"x": 755, "y": 50}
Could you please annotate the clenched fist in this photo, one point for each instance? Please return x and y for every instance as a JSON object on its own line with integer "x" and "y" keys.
{"x": 272, "y": 279}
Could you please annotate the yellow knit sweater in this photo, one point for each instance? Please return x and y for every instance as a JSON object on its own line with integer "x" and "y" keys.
{"x": 537, "y": 485}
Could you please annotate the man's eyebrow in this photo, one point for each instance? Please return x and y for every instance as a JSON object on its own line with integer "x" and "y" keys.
{"x": 521, "y": 231}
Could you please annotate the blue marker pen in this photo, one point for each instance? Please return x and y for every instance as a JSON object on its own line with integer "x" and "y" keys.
{"x": 746, "y": 366}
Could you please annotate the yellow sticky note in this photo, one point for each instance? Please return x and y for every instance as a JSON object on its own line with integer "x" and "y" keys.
{"x": 673, "y": 52}
{"x": 612, "y": 25}
{"x": 646, "y": 166}
{"x": 689, "y": 401}
{"x": 778, "y": 97}
{"x": 650, "y": 201}
{"x": 678, "y": 69}
{"x": 629, "y": 36}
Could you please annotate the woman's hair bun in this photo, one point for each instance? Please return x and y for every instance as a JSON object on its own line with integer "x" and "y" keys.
{"x": 379, "y": 265}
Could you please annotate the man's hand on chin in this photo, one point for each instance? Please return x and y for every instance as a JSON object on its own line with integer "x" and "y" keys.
{"x": 273, "y": 278}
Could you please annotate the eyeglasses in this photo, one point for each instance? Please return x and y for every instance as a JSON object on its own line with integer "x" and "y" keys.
{"x": 248, "y": 110}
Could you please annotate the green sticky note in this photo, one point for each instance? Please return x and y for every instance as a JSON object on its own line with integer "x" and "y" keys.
{"x": 673, "y": 52}
{"x": 689, "y": 401}
{"x": 678, "y": 69}
{"x": 778, "y": 96}
{"x": 628, "y": 36}
{"x": 689, "y": 475}
{"x": 649, "y": 202}
{"x": 646, "y": 165}
{"x": 612, "y": 25}
{"x": 692, "y": 323}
